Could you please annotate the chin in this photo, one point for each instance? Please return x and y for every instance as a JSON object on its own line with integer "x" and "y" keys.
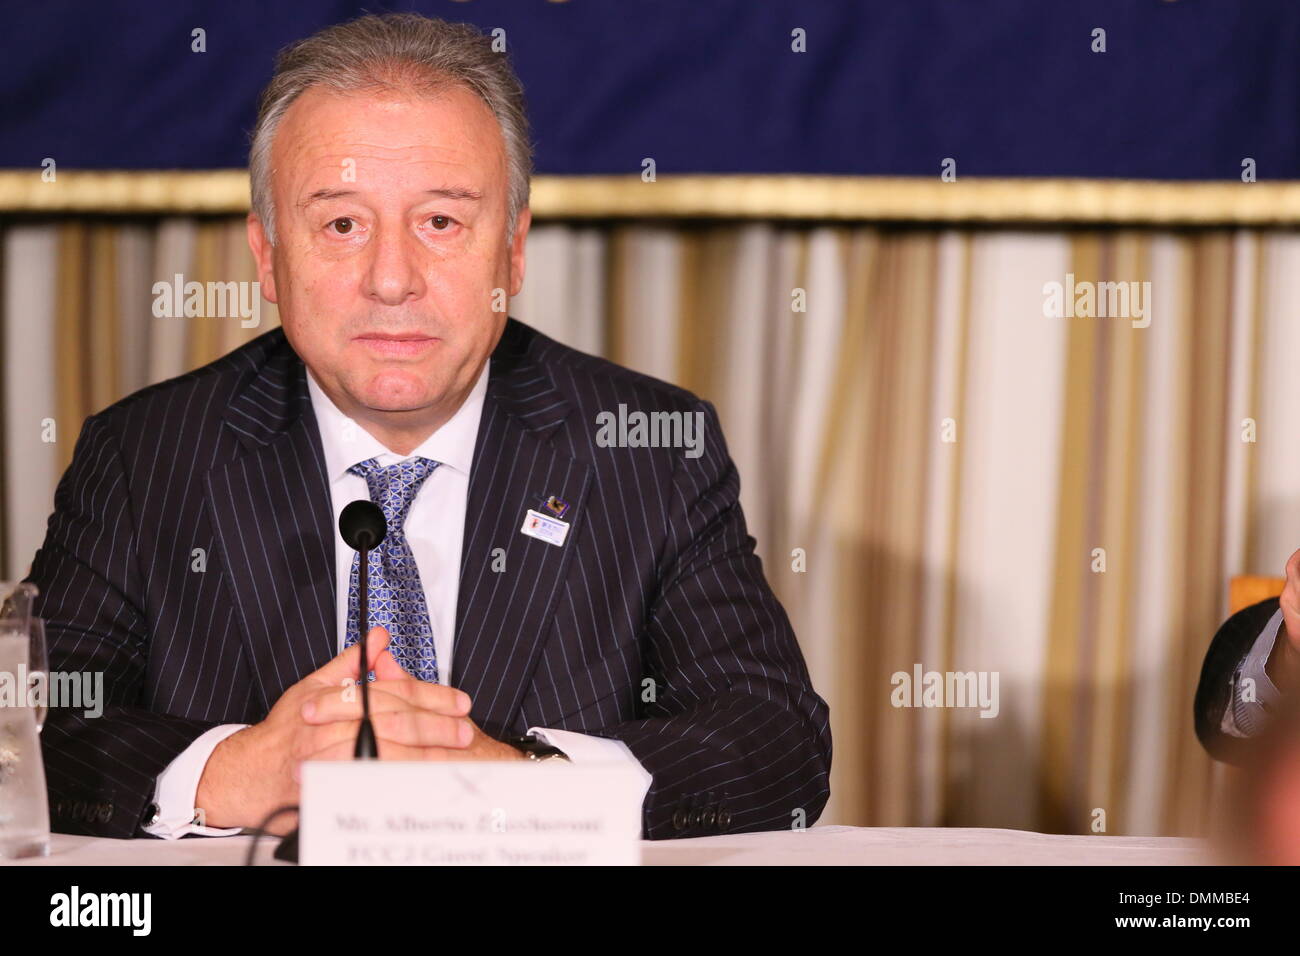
{"x": 393, "y": 390}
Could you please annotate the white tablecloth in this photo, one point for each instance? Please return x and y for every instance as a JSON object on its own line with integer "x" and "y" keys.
{"x": 820, "y": 846}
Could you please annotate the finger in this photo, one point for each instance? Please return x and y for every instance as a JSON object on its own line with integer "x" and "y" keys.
{"x": 347, "y": 664}
{"x": 338, "y": 669}
{"x": 315, "y": 739}
{"x": 393, "y": 750}
{"x": 334, "y": 741}
{"x": 438, "y": 698}
{"x": 387, "y": 668}
{"x": 421, "y": 728}
{"x": 338, "y": 750}
{"x": 388, "y": 750}
{"x": 377, "y": 641}
{"x": 408, "y": 735}
{"x": 344, "y": 703}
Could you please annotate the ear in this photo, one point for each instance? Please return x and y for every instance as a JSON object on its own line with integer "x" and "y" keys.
{"x": 517, "y": 250}
{"x": 263, "y": 255}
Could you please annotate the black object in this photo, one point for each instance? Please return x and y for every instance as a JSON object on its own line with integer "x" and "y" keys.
{"x": 535, "y": 748}
{"x": 363, "y": 526}
{"x": 288, "y": 848}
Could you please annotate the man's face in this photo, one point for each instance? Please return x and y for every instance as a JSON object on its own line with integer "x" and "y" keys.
{"x": 390, "y": 215}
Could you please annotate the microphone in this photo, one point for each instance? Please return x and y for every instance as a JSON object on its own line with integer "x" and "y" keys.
{"x": 363, "y": 527}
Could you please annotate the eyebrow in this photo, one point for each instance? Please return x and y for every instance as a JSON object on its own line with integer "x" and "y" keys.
{"x": 446, "y": 192}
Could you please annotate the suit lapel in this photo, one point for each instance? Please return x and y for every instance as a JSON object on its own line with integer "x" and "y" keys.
{"x": 504, "y": 609}
{"x": 272, "y": 518}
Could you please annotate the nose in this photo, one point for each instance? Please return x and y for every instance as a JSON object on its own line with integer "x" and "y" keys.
{"x": 394, "y": 273}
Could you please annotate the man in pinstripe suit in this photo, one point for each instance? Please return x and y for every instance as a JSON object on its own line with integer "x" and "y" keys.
{"x": 192, "y": 556}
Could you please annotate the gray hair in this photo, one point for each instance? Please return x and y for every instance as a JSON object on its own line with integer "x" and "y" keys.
{"x": 395, "y": 51}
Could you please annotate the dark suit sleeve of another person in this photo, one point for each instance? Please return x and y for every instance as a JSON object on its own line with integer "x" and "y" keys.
{"x": 100, "y": 771}
{"x": 1230, "y": 646}
{"x": 736, "y": 739}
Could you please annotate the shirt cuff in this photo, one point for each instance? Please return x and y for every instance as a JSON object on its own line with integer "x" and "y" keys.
{"x": 583, "y": 748}
{"x": 1246, "y": 718}
{"x": 178, "y": 787}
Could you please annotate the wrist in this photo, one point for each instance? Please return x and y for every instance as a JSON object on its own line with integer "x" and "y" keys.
{"x": 224, "y": 801}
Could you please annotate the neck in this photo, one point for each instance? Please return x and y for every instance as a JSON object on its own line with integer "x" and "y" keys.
{"x": 402, "y": 432}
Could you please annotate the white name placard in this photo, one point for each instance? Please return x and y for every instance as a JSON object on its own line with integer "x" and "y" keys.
{"x": 472, "y": 813}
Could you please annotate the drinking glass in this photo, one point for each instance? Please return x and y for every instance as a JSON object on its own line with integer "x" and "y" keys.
{"x": 24, "y": 808}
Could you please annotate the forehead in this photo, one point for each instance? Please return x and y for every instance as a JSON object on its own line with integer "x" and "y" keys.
{"x": 387, "y": 133}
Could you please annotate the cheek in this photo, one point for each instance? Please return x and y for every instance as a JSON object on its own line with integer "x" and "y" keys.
{"x": 484, "y": 279}
{"x": 319, "y": 291}
{"x": 466, "y": 291}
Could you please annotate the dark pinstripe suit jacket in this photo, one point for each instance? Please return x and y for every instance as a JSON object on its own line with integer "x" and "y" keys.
{"x": 658, "y": 579}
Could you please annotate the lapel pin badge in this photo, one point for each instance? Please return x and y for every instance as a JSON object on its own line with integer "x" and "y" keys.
{"x": 548, "y": 528}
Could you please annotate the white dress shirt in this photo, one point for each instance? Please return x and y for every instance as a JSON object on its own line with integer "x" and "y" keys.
{"x": 435, "y": 529}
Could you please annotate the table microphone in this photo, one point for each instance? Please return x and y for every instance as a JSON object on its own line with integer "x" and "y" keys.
{"x": 363, "y": 527}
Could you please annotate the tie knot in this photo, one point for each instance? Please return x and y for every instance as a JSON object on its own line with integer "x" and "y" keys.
{"x": 393, "y": 488}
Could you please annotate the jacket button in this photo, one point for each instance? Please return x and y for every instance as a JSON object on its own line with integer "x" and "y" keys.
{"x": 696, "y": 816}
{"x": 680, "y": 819}
{"x": 724, "y": 818}
{"x": 710, "y": 815}
{"x": 105, "y": 812}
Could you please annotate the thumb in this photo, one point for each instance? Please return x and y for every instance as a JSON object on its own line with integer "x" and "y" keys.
{"x": 385, "y": 664}
{"x": 347, "y": 666}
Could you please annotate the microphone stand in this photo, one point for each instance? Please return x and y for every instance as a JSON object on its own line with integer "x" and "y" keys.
{"x": 366, "y": 747}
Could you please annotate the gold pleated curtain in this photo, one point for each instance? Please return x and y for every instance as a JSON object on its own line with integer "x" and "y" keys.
{"x": 941, "y": 475}
{"x": 108, "y": 341}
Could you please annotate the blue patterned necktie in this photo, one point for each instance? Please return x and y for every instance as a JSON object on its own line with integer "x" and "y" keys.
{"x": 396, "y": 597}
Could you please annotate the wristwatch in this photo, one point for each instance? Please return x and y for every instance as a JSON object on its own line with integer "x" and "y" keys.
{"x": 535, "y": 748}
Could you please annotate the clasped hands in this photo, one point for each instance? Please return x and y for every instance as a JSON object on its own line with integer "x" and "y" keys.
{"x": 257, "y": 770}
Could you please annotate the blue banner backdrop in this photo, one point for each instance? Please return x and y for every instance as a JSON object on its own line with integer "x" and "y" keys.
{"x": 1185, "y": 89}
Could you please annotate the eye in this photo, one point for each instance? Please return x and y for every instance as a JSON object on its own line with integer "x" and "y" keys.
{"x": 342, "y": 225}
{"x": 441, "y": 223}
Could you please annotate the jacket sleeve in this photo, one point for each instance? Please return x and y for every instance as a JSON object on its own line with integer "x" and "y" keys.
{"x": 736, "y": 739}
{"x": 1228, "y": 650}
{"x": 104, "y": 751}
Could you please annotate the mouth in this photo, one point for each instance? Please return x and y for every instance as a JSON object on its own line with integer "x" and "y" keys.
{"x": 405, "y": 344}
